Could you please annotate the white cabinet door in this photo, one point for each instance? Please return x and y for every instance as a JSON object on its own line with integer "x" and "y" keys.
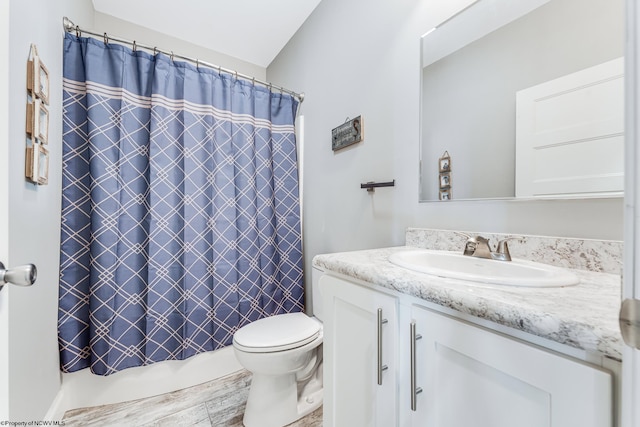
{"x": 473, "y": 377}
{"x": 360, "y": 352}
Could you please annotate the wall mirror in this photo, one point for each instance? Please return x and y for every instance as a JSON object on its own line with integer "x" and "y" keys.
{"x": 477, "y": 65}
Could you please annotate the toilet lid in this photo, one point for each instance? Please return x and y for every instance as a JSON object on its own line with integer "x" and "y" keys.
{"x": 277, "y": 333}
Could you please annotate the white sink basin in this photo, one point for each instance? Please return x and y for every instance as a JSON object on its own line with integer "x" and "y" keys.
{"x": 454, "y": 265}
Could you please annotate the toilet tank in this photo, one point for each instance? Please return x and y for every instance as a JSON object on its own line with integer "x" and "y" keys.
{"x": 316, "y": 298}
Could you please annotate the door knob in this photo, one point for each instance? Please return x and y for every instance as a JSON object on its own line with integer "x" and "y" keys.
{"x": 24, "y": 275}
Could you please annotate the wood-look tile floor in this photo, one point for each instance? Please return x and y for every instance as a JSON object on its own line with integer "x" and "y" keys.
{"x": 218, "y": 403}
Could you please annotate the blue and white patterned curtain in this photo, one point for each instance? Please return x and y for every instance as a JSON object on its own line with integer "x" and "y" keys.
{"x": 180, "y": 208}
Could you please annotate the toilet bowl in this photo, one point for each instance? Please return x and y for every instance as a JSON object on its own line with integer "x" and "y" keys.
{"x": 284, "y": 353}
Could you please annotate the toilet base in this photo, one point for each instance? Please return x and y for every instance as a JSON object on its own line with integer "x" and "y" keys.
{"x": 274, "y": 402}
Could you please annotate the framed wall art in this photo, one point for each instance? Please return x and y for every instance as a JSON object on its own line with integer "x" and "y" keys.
{"x": 38, "y": 78}
{"x": 37, "y": 164}
{"x": 38, "y": 121}
{"x": 348, "y": 133}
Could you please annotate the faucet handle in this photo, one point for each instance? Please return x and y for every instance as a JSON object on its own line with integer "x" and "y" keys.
{"x": 463, "y": 234}
{"x": 469, "y": 244}
{"x": 503, "y": 248}
{"x": 477, "y": 246}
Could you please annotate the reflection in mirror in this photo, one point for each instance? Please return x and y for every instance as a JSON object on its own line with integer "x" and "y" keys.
{"x": 474, "y": 65}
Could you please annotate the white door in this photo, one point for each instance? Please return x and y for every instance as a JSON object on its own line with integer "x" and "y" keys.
{"x": 631, "y": 283}
{"x": 570, "y": 134}
{"x": 4, "y": 197}
{"x": 360, "y": 346}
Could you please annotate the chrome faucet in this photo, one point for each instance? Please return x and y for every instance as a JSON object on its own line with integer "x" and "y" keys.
{"x": 480, "y": 247}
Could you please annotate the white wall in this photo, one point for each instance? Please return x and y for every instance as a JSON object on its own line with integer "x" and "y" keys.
{"x": 34, "y": 212}
{"x": 128, "y": 31}
{"x": 355, "y": 57}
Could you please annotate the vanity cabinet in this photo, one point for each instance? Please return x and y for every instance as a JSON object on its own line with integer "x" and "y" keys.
{"x": 462, "y": 374}
{"x": 472, "y": 376}
{"x": 360, "y": 355}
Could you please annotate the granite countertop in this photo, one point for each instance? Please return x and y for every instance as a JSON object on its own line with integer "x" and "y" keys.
{"x": 584, "y": 316}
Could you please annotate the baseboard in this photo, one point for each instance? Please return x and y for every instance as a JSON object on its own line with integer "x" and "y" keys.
{"x": 56, "y": 410}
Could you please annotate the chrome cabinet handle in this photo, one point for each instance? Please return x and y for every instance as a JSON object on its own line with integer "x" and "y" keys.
{"x": 381, "y": 367}
{"x": 25, "y": 275}
{"x": 412, "y": 344}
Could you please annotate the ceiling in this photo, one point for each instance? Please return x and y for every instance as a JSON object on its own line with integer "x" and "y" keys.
{"x": 251, "y": 30}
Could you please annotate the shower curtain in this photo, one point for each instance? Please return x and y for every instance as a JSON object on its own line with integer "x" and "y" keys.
{"x": 180, "y": 207}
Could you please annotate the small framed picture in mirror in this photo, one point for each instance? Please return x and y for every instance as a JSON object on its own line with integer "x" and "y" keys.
{"x": 38, "y": 121}
{"x": 445, "y": 180}
{"x": 445, "y": 194}
{"x": 444, "y": 162}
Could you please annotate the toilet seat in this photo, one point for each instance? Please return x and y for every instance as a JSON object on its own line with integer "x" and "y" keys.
{"x": 277, "y": 333}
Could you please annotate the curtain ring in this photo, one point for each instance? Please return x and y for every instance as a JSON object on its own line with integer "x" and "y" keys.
{"x": 78, "y": 32}
{"x": 197, "y": 64}
{"x": 135, "y": 47}
{"x": 155, "y": 51}
{"x": 171, "y": 56}
{"x": 106, "y": 38}
{"x": 219, "y": 70}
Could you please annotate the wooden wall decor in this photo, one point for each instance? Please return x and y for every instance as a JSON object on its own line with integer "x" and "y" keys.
{"x": 348, "y": 133}
{"x": 37, "y": 120}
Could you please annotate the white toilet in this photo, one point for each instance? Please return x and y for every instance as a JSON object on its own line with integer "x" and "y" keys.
{"x": 284, "y": 354}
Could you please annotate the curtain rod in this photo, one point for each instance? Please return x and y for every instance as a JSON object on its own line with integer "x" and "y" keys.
{"x": 69, "y": 27}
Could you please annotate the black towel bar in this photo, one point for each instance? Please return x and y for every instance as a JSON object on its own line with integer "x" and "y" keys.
{"x": 370, "y": 186}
